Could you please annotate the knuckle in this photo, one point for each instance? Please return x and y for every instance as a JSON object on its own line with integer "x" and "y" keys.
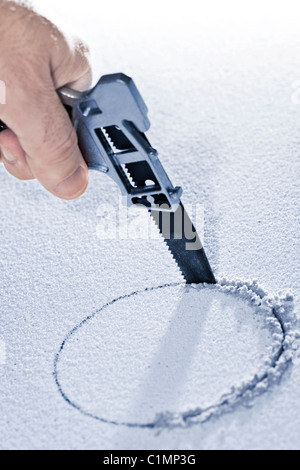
{"x": 19, "y": 171}
{"x": 82, "y": 48}
{"x": 71, "y": 62}
{"x": 82, "y": 57}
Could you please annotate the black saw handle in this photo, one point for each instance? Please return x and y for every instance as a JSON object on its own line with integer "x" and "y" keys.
{"x": 2, "y": 126}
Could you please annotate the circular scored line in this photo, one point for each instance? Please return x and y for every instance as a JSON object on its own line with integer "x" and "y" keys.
{"x": 228, "y": 402}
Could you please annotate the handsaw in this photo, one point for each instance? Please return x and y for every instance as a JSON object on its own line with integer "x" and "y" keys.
{"x": 111, "y": 120}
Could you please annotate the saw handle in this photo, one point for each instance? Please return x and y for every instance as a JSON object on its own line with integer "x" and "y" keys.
{"x": 110, "y": 122}
{"x": 2, "y": 126}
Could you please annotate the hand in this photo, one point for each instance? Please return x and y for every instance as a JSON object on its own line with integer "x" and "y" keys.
{"x": 35, "y": 60}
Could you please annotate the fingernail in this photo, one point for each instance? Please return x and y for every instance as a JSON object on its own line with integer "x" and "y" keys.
{"x": 74, "y": 185}
{"x": 9, "y": 156}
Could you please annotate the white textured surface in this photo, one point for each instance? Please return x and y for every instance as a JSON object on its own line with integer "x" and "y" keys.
{"x": 149, "y": 360}
{"x": 219, "y": 89}
{"x": 215, "y": 347}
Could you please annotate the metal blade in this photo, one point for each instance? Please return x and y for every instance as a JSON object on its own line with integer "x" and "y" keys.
{"x": 184, "y": 243}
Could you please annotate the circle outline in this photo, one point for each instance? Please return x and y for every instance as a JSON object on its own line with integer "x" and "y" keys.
{"x": 182, "y": 418}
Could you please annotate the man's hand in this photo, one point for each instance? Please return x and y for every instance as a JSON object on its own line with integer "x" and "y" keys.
{"x": 35, "y": 60}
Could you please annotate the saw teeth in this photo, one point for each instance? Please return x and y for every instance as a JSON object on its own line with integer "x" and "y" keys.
{"x": 166, "y": 243}
{"x": 192, "y": 263}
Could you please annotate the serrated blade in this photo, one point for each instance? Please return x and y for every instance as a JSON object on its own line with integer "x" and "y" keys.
{"x": 184, "y": 243}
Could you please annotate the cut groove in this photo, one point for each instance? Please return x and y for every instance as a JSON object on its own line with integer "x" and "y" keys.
{"x": 278, "y": 314}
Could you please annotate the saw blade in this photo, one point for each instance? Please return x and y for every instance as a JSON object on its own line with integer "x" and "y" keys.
{"x": 184, "y": 243}
{"x": 180, "y": 236}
